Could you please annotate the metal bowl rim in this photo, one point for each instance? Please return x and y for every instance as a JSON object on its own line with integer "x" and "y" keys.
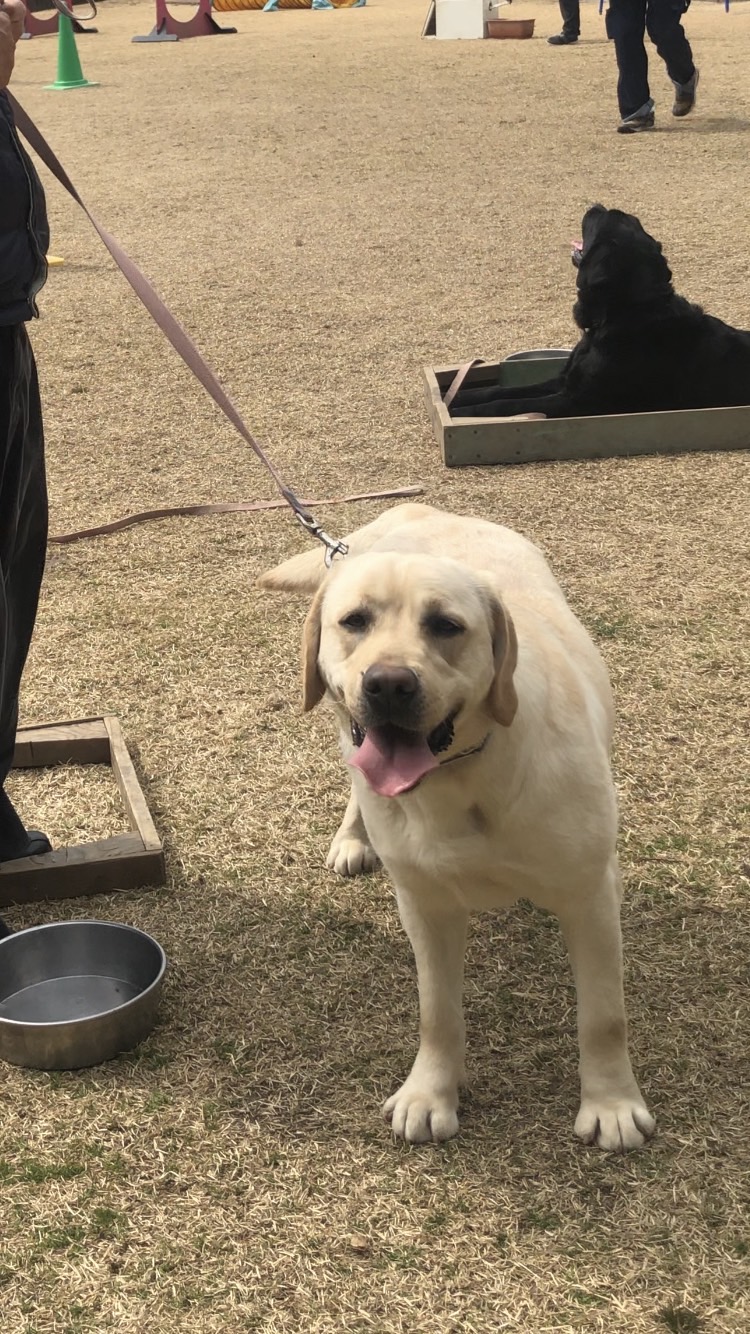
{"x": 96, "y": 1014}
{"x": 538, "y": 351}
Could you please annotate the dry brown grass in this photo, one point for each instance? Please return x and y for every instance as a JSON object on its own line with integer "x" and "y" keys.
{"x": 329, "y": 203}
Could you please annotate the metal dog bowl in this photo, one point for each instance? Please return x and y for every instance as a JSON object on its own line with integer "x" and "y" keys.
{"x": 73, "y": 994}
{"x": 540, "y": 354}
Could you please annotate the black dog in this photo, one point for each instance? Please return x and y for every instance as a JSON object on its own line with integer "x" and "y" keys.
{"x": 644, "y": 349}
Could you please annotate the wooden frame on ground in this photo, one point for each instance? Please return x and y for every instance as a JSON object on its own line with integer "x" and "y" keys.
{"x": 125, "y": 861}
{"x": 478, "y": 441}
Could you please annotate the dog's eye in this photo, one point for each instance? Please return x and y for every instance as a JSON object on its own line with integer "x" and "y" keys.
{"x": 444, "y": 627}
{"x": 356, "y": 620}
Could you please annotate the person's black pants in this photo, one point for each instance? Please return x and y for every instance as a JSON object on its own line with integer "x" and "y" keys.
{"x": 23, "y": 544}
{"x": 627, "y": 21}
{"x": 571, "y": 17}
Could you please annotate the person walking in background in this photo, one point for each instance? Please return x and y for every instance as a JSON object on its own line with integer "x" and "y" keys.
{"x": 24, "y": 238}
{"x": 627, "y": 23}
{"x": 571, "y": 28}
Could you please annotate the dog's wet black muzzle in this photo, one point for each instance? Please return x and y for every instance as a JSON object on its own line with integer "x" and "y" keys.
{"x": 391, "y": 695}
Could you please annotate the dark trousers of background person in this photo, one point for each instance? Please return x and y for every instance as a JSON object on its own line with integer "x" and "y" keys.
{"x": 571, "y": 17}
{"x": 627, "y": 20}
{"x": 23, "y": 545}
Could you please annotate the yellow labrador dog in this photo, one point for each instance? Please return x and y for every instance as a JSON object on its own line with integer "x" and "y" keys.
{"x": 475, "y": 714}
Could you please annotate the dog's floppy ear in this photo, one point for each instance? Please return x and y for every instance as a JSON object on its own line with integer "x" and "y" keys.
{"x": 502, "y": 699}
{"x": 624, "y": 267}
{"x": 596, "y": 283}
{"x": 313, "y": 685}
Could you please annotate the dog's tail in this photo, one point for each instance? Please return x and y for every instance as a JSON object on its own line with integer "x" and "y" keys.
{"x": 305, "y": 572}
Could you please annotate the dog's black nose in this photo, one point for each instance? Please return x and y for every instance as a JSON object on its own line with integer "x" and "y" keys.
{"x": 391, "y": 695}
{"x": 389, "y": 685}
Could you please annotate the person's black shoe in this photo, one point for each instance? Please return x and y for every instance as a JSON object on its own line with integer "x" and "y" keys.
{"x": 642, "y": 119}
{"x": 684, "y": 96}
{"x": 562, "y": 39}
{"x": 15, "y": 840}
{"x": 36, "y": 845}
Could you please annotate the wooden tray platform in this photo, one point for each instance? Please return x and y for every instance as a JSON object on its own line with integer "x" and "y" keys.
{"x": 479, "y": 441}
{"x": 126, "y": 861}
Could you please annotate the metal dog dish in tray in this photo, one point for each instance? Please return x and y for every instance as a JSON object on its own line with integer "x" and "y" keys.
{"x": 73, "y": 994}
{"x": 541, "y": 354}
{"x": 478, "y": 441}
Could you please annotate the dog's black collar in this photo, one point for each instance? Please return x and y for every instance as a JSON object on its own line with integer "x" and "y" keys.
{"x": 463, "y": 754}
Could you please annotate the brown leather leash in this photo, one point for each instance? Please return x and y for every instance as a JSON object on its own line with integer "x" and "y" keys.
{"x": 230, "y": 507}
{"x": 187, "y": 350}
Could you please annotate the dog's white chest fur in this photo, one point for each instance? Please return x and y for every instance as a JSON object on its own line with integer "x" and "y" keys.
{"x": 458, "y": 844}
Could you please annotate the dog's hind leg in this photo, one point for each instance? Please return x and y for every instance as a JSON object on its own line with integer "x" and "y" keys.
{"x": 351, "y": 852}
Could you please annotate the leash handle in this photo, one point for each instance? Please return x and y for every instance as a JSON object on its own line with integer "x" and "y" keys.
{"x": 170, "y": 327}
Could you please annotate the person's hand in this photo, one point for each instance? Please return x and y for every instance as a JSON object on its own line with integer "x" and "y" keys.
{"x": 12, "y": 19}
{"x": 16, "y": 11}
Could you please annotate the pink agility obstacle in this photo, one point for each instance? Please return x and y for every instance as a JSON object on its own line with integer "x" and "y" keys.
{"x": 169, "y": 29}
{"x": 35, "y": 27}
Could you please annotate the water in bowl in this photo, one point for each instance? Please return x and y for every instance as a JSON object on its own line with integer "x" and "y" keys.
{"x": 58, "y": 1000}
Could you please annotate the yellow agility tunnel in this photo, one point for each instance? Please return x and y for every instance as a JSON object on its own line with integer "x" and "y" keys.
{"x": 225, "y": 6}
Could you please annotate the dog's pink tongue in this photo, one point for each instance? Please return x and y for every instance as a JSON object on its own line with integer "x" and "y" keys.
{"x": 391, "y": 762}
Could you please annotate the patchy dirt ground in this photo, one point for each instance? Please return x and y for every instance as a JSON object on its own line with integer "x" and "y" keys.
{"x": 329, "y": 203}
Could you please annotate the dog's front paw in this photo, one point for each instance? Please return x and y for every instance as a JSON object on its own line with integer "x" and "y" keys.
{"x": 418, "y": 1113}
{"x": 350, "y": 855}
{"x": 615, "y": 1124}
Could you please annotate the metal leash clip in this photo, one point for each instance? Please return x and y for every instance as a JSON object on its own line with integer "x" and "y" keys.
{"x": 333, "y": 546}
{"x": 67, "y": 11}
